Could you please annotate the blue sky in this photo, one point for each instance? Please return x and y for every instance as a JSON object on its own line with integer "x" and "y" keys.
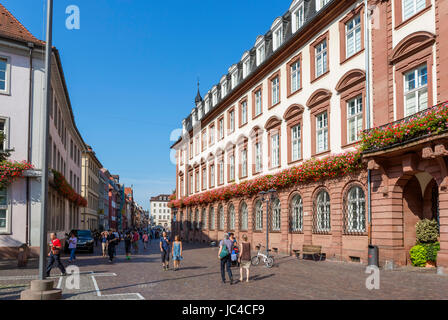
{"x": 132, "y": 69}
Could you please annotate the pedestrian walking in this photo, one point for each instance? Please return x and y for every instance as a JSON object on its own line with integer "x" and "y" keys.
{"x": 135, "y": 242}
{"x": 104, "y": 235}
{"x": 177, "y": 252}
{"x": 111, "y": 243}
{"x": 127, "y": 245}
{"x": 244, "y": 258}
{"x": 145, "y": 240}
{"x": 72, "y": 242}
{"x": 165, "y": 251}
{"x": 225, "y": 248}
{"x": 55, "y": 255}
{"x": 234, "y": 253}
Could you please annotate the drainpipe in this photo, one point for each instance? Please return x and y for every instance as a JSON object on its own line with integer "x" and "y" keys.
{"x": 367, "y": 62}
{"x": 29, "y": 154}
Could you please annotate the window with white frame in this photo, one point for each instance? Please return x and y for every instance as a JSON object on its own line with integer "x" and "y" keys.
{"x": 258, "y": 108}
{"x": 259, "y": 216}
{"x": 212, "y": 175}
{"x": 207, "y": 105}
{"x": 354, "y": 119}
{"x": 411, "y": 7}
{"x": 244, "y": 112}
{"x": 204, "y": 219}
{"x": 191, "y": 184}
{"x": 221, "y": 128}
{"x": 231, "y": 217}
{"x": 261, "y": 54}
{"x": 212, "y": 135}
{"x": 296, "y": 214}
{"x": 212, "y": 218}
{"x": 298, "y": 18}
{"x": 221, "y": 172}
{"x": 232, "y": 120}
{"x": 322, "y": 132}
{"x": 204, "y": 140}
{"x": 246, "y": 67}
{"x": 234, "y": 79}
{"x": 278, "y": 37}
{"x": 244, "y": 163}
{"x": 353, "y": 36}
{"x": 3, "y": 144}
{"x": 197, "y": 145}
{"x": 204, "y": 177}
{"x": 4, "y": 210}
{"x": 258, "y": 157}
{"x": 275, "y": 91}
{"x": 3, "y": 74}
{"x": 232, "y": 168}
{"x": 244, "y": 217}
{"x": 221, "y": 217}
{"x": 356, "y": 210}
{"x": 223, "y": 89}
{"x": 320, "y": 4}
{"x": 296, "y": 143}
{"x": 275, "y": 150}
{"x": 322, "y": 223}
{"x": 215, "y": 97}
{"x": 197, "y": 181}
{"x": 276, "y": 215}
{"x": 321, "y": 58}
{"x": 416, "y": 90}
{"x": 295, "y": 76}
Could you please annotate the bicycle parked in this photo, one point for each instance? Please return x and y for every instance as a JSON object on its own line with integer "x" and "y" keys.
{"x": 261, "y": 256}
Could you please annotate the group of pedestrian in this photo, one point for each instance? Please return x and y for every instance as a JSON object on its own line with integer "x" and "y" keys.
{"x": 175, "y": 250}
{"x": 227, "y": 248}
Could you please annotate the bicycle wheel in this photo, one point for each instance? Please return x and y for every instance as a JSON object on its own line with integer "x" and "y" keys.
{"x": 255, "y": 260}
{"x": 269, "y": 262}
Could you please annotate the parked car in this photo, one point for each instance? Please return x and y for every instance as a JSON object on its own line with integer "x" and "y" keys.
{"x": 85, "y": 241}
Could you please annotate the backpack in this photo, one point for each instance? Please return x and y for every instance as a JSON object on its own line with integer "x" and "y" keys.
{"x": 224, "y": 252}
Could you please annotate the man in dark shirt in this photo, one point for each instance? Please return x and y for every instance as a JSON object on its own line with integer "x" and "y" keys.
{"x": 111, "y": 242}
{"x": 165, "y": 251}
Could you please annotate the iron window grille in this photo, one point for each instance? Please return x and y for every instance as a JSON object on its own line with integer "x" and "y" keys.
{"x": 296, "y": 216}
{"x": 321, "y": 215}
{"x": 276, "y": 215}
{"x": 221, "y": 218}
{"x": 258, "y": 221}
{"x": 244, "y": 217}
{"x": 354, "y": 209}
{"x": 231, "y": 217}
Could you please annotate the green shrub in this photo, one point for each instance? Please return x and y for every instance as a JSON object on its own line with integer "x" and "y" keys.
{"x": 427, "y": 231}
{"x": 431, "y": 251}
{"x": 418, "y": 256}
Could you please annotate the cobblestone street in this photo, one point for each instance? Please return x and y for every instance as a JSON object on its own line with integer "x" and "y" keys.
{"x": 199, "y": 278}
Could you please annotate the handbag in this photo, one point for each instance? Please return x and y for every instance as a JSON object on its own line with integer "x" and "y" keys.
{"x": 234, "y": 257}
{"x": 224, "y": 252}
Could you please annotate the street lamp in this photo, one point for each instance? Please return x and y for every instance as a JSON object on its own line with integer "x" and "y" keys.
{"x": 270, "y": 196}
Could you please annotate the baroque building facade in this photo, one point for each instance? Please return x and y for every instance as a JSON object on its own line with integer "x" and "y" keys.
{"x": 299, "y": 94}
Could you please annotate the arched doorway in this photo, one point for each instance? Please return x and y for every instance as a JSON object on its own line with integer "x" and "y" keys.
{"x": 420, "y": 201}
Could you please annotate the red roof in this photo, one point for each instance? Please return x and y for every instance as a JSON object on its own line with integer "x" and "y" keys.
{"x": 11, "y": 28}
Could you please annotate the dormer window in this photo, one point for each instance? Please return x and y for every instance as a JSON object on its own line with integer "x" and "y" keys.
{"x": 234, "y": 79}
{"x": 298, "y": 18}
{"x": 261, "y": 54}
{"x": 214, "y": 96}
{"x": 246, "y": 67}
{"x": 320, "y": 4}
{"x": 278, "y": 38}
{"x": 207, "y": 105}
{"x": 223, "y": 89}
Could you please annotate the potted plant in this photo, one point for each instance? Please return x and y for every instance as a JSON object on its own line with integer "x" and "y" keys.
{"x": 424, "y": 253}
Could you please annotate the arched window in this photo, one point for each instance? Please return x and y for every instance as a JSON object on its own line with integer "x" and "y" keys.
{"x": 244, "y": 216}
{"x": 181, "y": 221}
{"x": 204, "y": 219}
{"x": 276, "y": 215}
{"x": 196, "y": 219}
{"x": 296, "y": 214}
{"x": 231, "y": 217}
{"x": 356, "y": 210}
{"x": 221, "y": 217}
{"x": 322, "y": 213}
{"x": 212, "y": 218}
{"x": 190, "y": 219}
{"x": 258, "y": 224}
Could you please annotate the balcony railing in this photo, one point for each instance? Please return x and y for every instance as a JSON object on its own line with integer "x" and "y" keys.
{"x": 426, "y": 123}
